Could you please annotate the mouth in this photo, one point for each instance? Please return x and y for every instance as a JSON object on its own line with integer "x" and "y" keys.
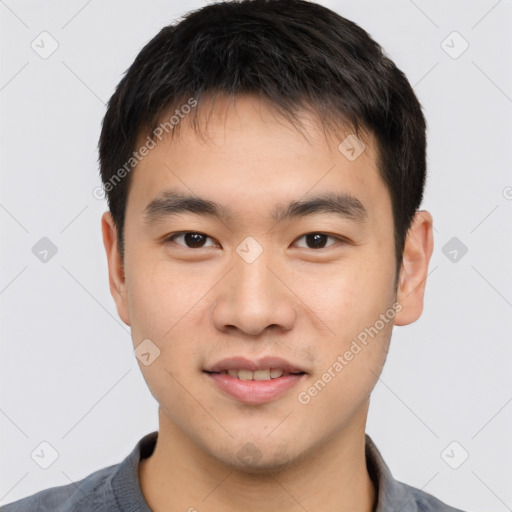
{"x": 254, "y": 382}
{"x": 243, "y": 374}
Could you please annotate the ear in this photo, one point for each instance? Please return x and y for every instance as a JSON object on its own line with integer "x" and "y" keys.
{"x": 116, "y": 276}
{"x": 418, "y": 249}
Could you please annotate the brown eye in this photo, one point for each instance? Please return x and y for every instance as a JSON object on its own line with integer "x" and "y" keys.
{"x": 316, "y": 240}
{"x": 191, "y": 239}
{"x": 194, "y": 239}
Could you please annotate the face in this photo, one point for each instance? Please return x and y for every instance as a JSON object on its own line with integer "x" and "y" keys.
{"x": 257, "y": 243}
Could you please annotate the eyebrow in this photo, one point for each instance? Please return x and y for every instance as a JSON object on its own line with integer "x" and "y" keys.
{"x": 172, "y": 202}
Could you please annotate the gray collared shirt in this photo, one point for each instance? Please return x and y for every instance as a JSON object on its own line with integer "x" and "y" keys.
{"x": 116, "y": 489}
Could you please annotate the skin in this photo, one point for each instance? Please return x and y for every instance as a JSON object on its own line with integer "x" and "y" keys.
{"x": 307, "y": 305}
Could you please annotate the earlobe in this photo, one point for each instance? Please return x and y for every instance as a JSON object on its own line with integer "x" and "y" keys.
{"x": 116, "y": 275}
{"x": 413, "y": 274}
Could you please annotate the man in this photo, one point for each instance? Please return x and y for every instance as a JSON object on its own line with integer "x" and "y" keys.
{"x": 264, "y": 163}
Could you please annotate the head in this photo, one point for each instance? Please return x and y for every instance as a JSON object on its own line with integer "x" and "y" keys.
{"x": 283, "y": 122}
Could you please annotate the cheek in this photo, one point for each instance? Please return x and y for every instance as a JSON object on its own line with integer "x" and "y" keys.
{"x": 172, "y": 383}
{"x": 166, "y": 309}
{"x": 350, "y": 295}
{"x": 348, "y": 373}
{"x": 350, "y": 300}
{"x": 159, "y": 297}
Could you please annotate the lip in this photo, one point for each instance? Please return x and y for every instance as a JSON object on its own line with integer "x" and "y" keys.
{"x": 255, "y": 391}
{"x": 264, "y": 363}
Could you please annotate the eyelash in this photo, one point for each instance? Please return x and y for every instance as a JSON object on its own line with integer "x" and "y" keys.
{"x": 172, "y": 238}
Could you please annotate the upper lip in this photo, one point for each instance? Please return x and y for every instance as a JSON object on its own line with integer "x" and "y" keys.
{"x": 264, "y": 363}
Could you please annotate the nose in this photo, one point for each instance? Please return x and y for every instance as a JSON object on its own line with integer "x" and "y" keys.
{"x": 254, "y": 297}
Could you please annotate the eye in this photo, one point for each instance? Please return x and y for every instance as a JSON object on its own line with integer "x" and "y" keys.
{"x": 317, "y": 240}
{"x": 190, "y": 239}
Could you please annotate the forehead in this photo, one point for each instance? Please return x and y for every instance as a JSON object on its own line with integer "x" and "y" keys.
{"x": 248, "y": 156}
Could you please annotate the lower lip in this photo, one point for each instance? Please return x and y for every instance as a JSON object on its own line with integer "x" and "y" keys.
{"x": 255, "y": 391}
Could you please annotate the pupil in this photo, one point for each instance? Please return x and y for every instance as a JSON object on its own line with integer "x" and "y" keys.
{"x": 318, "y": 240}
{"x": 194, "y": 239}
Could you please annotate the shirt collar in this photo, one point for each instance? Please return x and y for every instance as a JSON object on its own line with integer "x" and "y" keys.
{"x": 391, "y": 495}
{"x": 125, "y": 483}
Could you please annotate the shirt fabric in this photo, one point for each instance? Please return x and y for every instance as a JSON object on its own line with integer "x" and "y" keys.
{"x": 116, "y": 488}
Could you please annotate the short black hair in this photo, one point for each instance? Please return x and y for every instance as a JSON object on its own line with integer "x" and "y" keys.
{"x": 295, "y": 54}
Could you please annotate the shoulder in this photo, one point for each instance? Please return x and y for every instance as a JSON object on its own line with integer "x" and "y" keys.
{"x": 94, "y": 493}
{"x": 420, "y": 501}
{"x": 393, "y": 495}
{"x": 110, "y": 489}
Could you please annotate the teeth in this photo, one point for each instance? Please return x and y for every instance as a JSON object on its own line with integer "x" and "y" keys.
{"x": 272, "y": 373}
{"x": 262, "y": 375}
{"x": 245, "y": 374}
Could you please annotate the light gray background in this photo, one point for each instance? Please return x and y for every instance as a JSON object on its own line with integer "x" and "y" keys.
{"x": 69, "y": 376}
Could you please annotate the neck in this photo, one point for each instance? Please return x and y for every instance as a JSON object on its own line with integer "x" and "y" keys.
{"x": 179, "y": 475}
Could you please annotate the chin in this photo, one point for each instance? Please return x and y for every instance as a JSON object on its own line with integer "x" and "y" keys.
{"x": 263, "y": 466}
{"x": 259, "y": 456}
